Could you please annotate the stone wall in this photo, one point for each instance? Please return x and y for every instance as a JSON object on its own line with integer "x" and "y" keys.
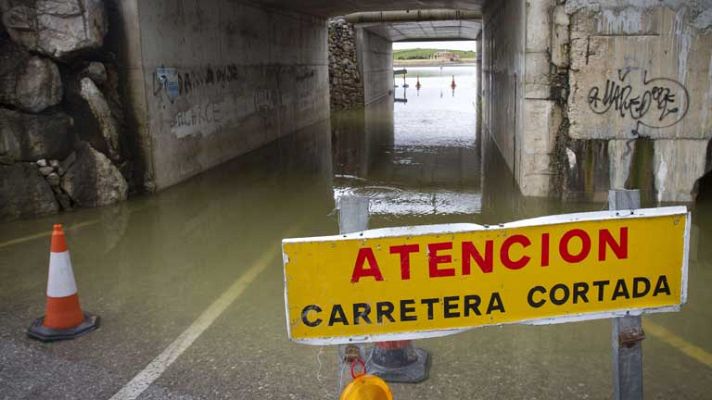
{"x": 345, "y": 84}
{"x": 360, "y": 66}
{"x": 61, "y": 117}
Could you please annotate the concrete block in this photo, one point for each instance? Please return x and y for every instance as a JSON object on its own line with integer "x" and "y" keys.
{"x": 560, "y": 37}
{"x": 620, "y": 156}
{"x": 534, "y": 185}
{"x": 539, "y": 91}
{"x": 678, "y": 165}
{"x": 537, "y": 68}
{"x": 628, "y": 21}
{"x": 538, "y": 15}
{"x": 645, "y": 51}
{"x": 541, "y": 120}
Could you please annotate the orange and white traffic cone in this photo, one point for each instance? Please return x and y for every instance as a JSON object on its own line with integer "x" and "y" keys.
{"x": 63, "y": 317}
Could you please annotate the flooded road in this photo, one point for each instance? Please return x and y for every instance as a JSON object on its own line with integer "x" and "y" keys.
{"x": 421, "y": 158}
{"x": 197, "y": 270}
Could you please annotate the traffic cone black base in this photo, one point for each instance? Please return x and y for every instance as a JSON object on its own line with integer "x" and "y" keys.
{"x": 406, "y": 365}
{"x": 45, "y": 334}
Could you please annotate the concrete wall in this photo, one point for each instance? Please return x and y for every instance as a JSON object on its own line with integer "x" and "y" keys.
{"x": 503, "y": 45}
{"x": 541, "y": 117}
{"x": 222, "y": 78}
{"x": 375, "y": 55}
{"x": 639, "y": 71}
{"x": 581, "y": 95}
{"x": 124, "y": 39}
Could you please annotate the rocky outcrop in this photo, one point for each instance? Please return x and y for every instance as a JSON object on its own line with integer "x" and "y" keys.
{"x": 95, "y": 71}
{"x": 102, "y": 113}
{"x": 24, "y": 192}
{"x": 53, "y": 170}
{"x": 92, "y": 180}
{"x": 57, "y": 28}
{"x": 30, "y": 137}
{"x": 61, "y": 112}
{"x": 27, "y": 82}
{"x": 345, "y": 84}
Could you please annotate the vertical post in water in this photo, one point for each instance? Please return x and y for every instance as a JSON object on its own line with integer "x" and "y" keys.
{"x": 353, "y": 217}
{"x": 395, "y": 361}
{"x": 627, "y": 333}
{"x": 353, "y": 214}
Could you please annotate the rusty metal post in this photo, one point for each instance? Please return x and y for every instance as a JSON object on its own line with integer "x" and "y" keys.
{"x": 627, "y": 333}
{"x": 353, "y": 217}
{"x": 396, "y": 361}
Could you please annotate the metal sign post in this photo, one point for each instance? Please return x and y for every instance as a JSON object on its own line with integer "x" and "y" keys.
{"x": 627, "y": 334}
{"x": 397, "y": 361}
{"x": 353, "y": 214}
{"x": 394, "y": 285}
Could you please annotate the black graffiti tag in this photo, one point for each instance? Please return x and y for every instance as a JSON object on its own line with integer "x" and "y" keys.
{"x": 657, "y": 103}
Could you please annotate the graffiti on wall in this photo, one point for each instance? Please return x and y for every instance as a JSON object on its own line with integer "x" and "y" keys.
{"x": 651, "y": 102}
{"x": 203, "y": 116}
{"x": 175, "y": 82}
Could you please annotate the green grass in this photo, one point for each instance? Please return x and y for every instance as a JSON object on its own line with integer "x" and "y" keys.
{"x": 424, "y": 54}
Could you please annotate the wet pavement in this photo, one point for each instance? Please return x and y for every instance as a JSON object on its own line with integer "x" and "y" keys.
{"x": 151, "y": 268}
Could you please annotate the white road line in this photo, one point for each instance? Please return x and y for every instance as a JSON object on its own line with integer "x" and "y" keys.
{"x": 155, "y": 368}
{"x": 46, "y": 233}
{"x": 696, "y": 353}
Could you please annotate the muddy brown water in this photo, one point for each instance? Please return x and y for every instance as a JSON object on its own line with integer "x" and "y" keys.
{"x": 150, "y": 266}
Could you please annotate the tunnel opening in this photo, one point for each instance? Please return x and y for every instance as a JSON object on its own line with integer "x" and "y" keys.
{"x": 404, "y": 121}
{"x": 435, "y": 135}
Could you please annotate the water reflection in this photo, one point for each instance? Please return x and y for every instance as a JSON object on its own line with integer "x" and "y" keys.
{"x": 413, "y": 157}
{"x": 150, "y": 266}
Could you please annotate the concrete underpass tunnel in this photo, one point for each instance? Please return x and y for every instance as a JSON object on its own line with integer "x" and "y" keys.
{"x": 545, "y": 70}
{"x": 422, "y": 149}
{"x": 360, "y": 48}
{"x": 201, "y": 91}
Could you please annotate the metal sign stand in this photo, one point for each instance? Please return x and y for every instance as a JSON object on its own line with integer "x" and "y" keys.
{"x": 353, "y": 217}
{"x": 627, "y": 333}
{"x": 396, "y": 361}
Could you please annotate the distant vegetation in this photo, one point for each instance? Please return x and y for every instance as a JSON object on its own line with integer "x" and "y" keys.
{"x": 426, "y": 54}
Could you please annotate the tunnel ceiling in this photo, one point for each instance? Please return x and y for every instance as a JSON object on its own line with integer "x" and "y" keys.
{"x": 426, "y": 30}
{"x": 333, "y": 8}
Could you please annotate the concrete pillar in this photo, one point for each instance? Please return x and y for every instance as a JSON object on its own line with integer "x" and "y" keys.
{"x": 375, "y": 55}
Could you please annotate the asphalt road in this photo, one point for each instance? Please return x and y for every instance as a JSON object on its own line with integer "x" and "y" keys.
{"x": 189, "y": 287}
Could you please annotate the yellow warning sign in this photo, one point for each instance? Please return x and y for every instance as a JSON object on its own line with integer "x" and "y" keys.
{"x": 411, "y": 282}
